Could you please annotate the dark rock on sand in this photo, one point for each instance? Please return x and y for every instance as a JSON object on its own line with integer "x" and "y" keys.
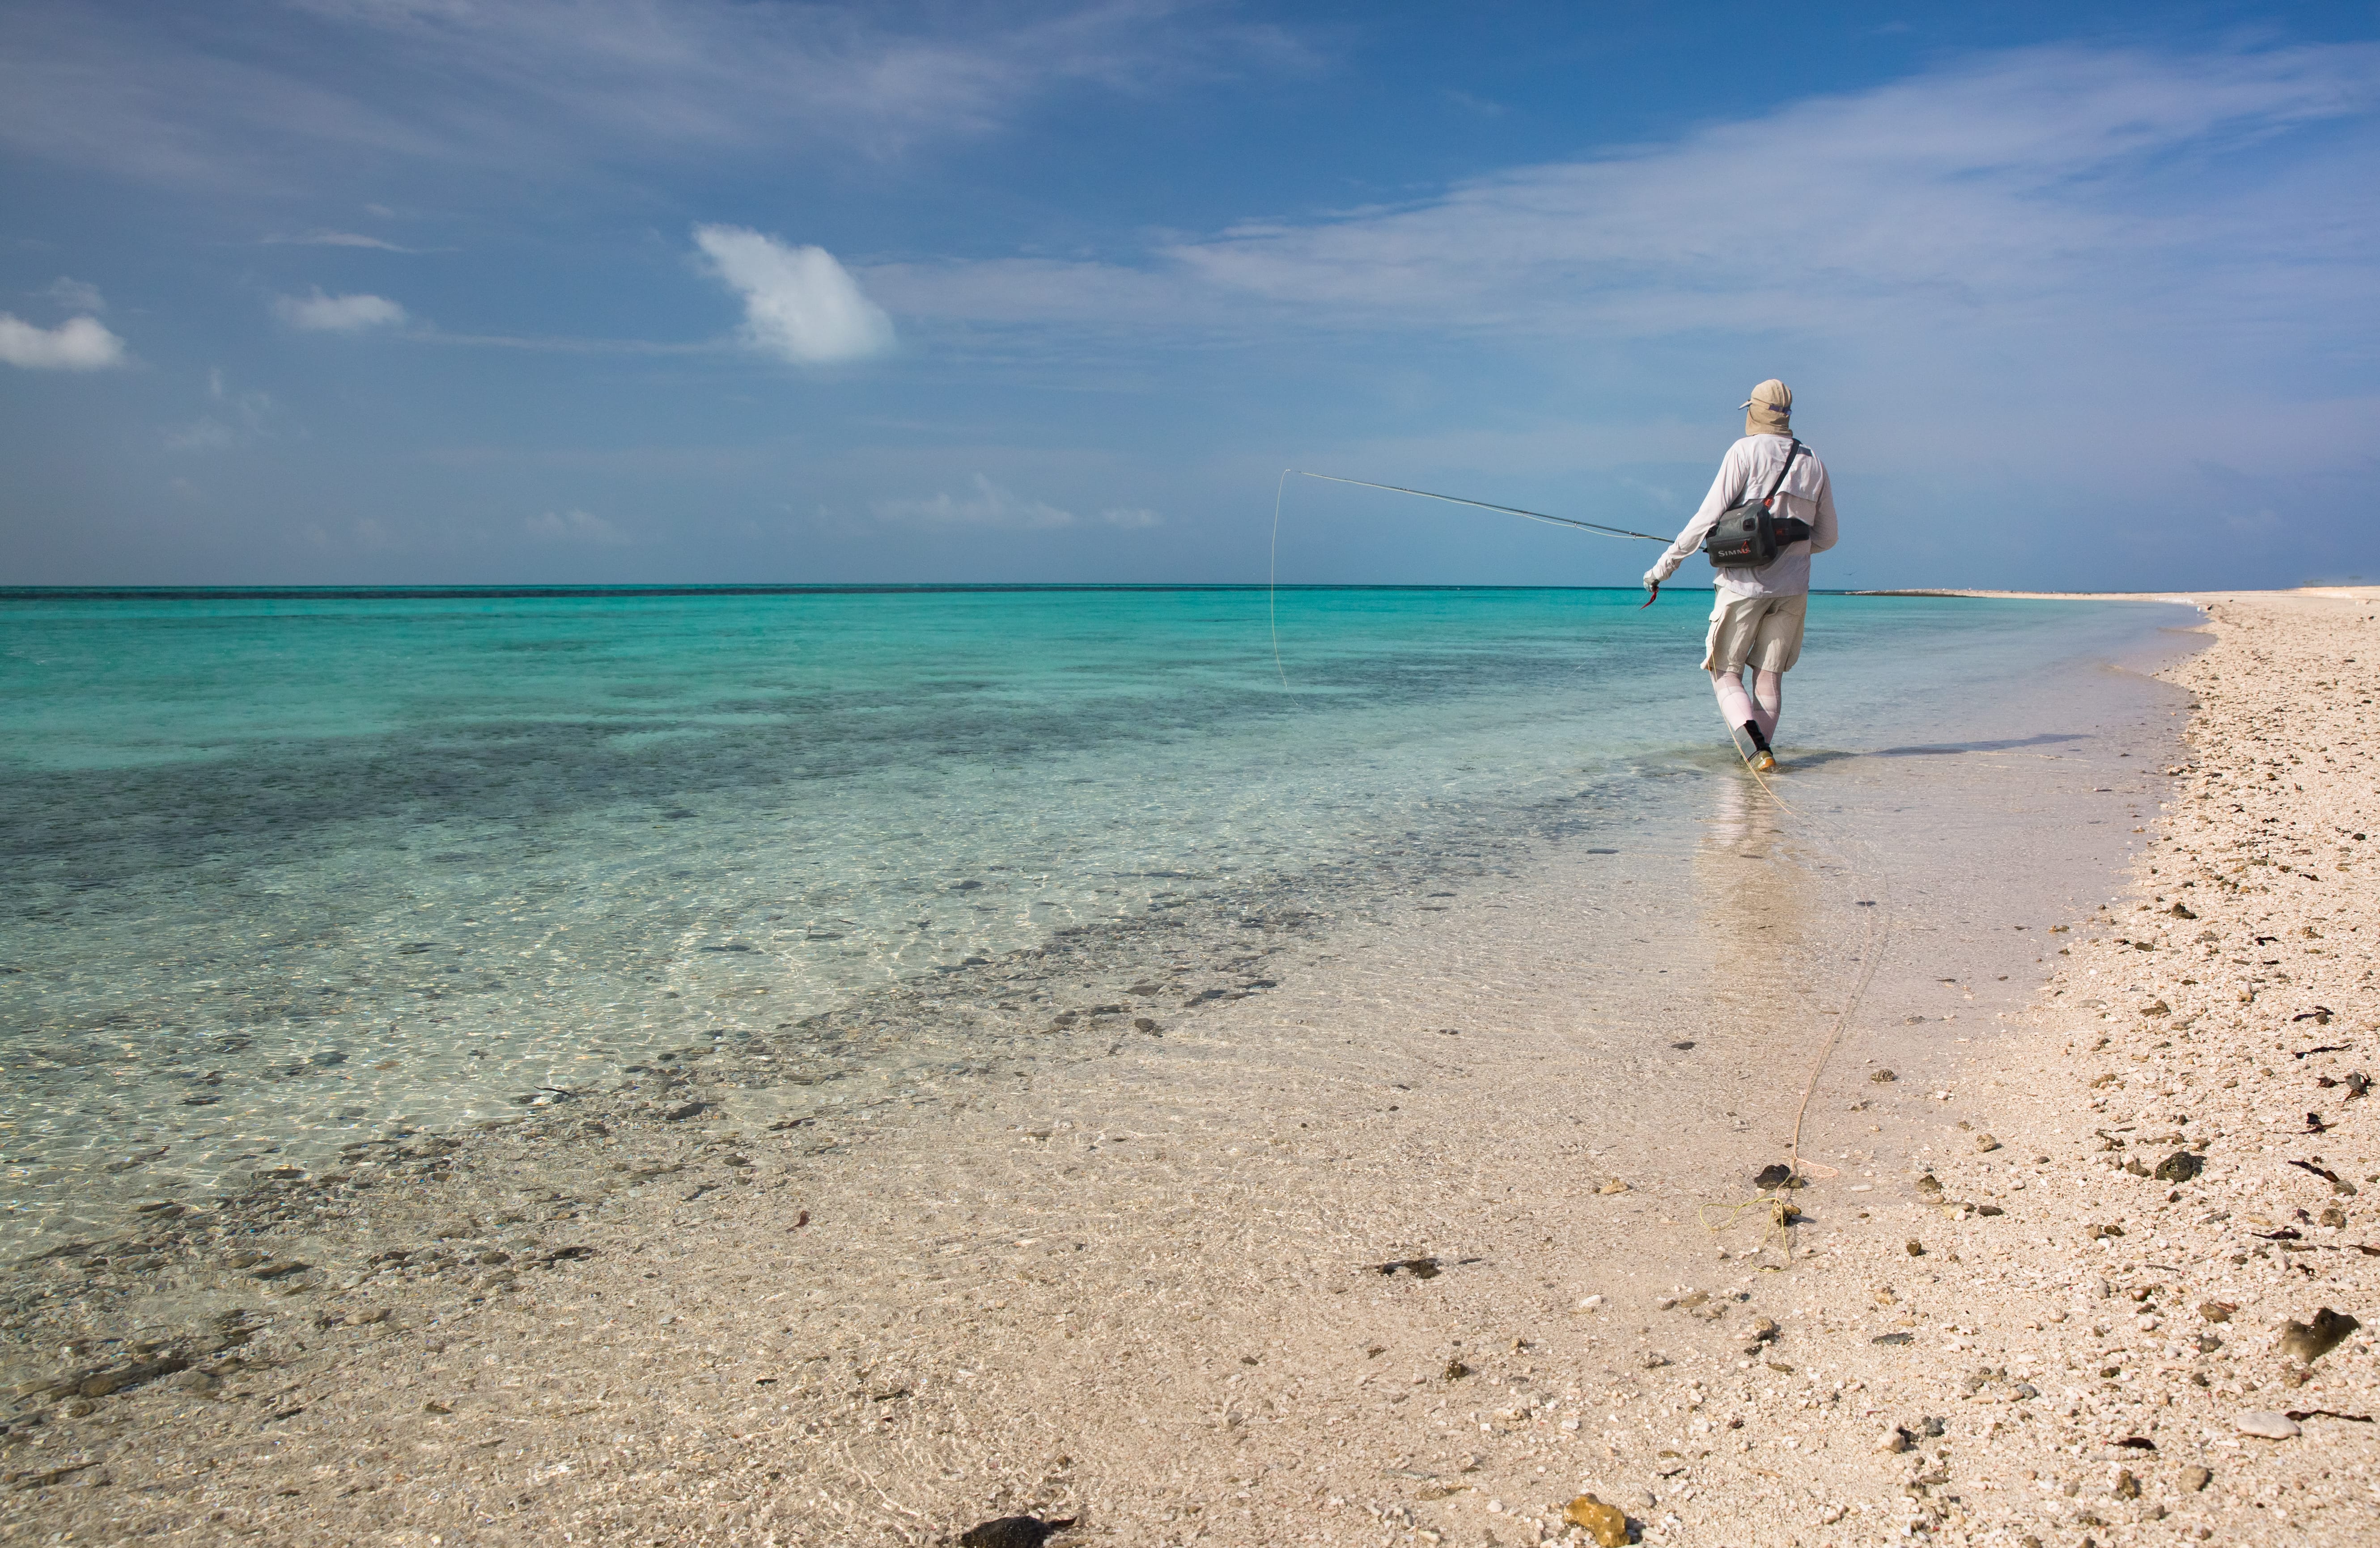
{"x": 2309, "y": 1342}
{"x": 1013, "y": 1531}
{"x": 1420, "y": 1268}
{"x": 2180, "y": 1166}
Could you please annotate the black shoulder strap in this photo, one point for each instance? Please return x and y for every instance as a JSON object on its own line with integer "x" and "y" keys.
{"x": 1779, "y": 482}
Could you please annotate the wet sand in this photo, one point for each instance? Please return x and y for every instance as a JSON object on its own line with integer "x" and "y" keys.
{"x": 1405, "y": 1233}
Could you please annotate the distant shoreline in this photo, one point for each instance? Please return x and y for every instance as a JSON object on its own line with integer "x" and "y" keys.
{"x": 542, "y": 591}
{"x": 2193, "y": 599}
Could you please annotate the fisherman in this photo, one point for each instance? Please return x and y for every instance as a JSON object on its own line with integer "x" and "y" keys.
{"x": 1757, "y": 617}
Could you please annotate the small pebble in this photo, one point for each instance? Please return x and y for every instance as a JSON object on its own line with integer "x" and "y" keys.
{"x": 2271, "y": 1426}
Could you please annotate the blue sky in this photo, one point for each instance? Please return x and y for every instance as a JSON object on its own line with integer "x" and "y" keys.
{"x": 342, "y": 291}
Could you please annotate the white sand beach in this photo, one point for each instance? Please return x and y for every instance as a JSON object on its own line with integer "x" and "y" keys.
{"x": 1410, "y": 1248}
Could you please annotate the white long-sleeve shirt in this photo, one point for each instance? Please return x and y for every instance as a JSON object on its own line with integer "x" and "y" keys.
{"x": 1746, "y": 469}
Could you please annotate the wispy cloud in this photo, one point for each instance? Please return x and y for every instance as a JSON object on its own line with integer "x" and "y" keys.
{"x": 992, "y": 506}
{"x": 555, "y": 344}
{"x": 270, "y": 96}
{"x": 575, "y": 526}
{"x": 987, "y": 505}
{"x": 235, "y": 418}
{"x": 337, "y": 239}
{"x": 79, "y": 343}
{"x": 799, "y": 303}
{"x": 74, "y": 295}
{"x": 203, "y": 434}
{"x": 337, "y": 314}
{"x": 2026, "y": 183}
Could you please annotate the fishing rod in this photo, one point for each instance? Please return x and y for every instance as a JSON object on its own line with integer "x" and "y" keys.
{"x": 1653, "y": 588}
{"x": 1484, "y": 505}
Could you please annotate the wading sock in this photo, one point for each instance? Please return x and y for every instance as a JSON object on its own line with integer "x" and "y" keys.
{"x": 1768, "y": 700}
{"x": 1735, "y": 704}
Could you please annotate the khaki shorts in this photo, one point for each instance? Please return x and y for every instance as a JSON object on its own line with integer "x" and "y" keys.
{"x": 1762, "y": 632}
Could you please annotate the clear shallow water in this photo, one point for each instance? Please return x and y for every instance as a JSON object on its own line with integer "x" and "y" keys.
{"x": 285, "y": 871}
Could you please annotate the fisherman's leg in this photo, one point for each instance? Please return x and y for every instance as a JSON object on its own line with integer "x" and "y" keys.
{"x": 1735, "y": 705}
{"x": 1767, "y": 699}
{"x": 1733, "y": 622}
{"x": 1743, "y": 717}
{"x": 1776, "y": 645}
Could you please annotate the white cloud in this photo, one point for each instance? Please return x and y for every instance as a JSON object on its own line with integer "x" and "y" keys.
{"x": 989, "y": 505}
{"x": 337, "y": 314}
{"x": 74, "y": 295}
{"x": 798, "y": 302}
{"x": 1131, "y": 516}
{"x": 575, "y": 526}
{"x": 336, "y": 239}
{"x": 79, "y": 343}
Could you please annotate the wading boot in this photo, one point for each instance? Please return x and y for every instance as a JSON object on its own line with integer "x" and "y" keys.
{"x": 1762, "y": 758}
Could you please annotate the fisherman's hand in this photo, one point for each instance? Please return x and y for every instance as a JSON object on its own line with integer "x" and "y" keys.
{"x": 1652, "y": 581}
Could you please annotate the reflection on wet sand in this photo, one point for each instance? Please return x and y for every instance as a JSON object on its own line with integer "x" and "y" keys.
{"x": 1767, "y": 917}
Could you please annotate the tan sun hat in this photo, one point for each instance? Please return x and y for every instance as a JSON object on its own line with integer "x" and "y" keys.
{"x": 1769, "y": 410}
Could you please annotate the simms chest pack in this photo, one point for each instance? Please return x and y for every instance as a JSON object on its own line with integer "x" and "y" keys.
{"x": 1749, "y": 536}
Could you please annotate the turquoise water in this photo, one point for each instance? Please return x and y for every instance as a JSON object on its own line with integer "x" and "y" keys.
{"x": 284, "y": 869}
